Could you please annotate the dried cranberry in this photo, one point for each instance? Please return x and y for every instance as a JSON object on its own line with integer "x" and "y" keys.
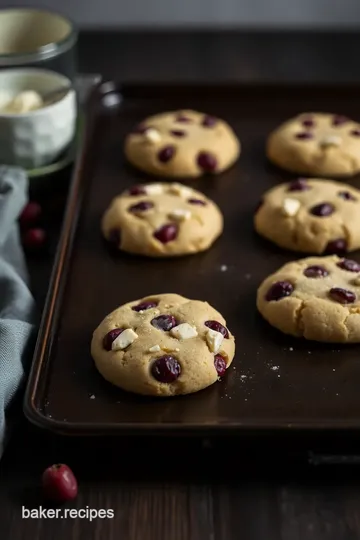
{"x": 166, "y": 153}
{"x": 207, "y": 161}
{"x": 141, "y": 206}
{"x": 166, "y": 369}
{"x": 110, "y": 337}
{"x": 30, "y": 214}
{"x": 209, "y": 121}
{"x": 279, "y": 290}
{"x": 343, "y": 296}
{"x": 339, "y": 120}
{"x": 167, "y": 233}
{"x": 315, "y": 271}
{"x": 34, "y": 240}
{"x": 346, "y": 195}
{"x": 355, "y": 132}
{"x": 336, "y": 247}
{"x": 304, "y": 135}
{"x": 59, "y": 483}
{"x": 349, "y": 265}
{"x": 114, "y": 237}
{"x": 218, "y": 327}
{"x": 308, "y": 122}
{"x": 299, "y": 185}
{"x": 164, "y": 322}
{"x": 322, "y": 210}
{"x": 220, "y": 364}
{"x": 137, "y": 190}
{"x": 178, "y": 133}
{"x": 197, "y": 201}
{"x": 183, "y": 119}
{"x": 143, "y": 306}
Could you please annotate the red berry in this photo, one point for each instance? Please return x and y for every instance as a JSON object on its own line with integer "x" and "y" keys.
{"x": 59, "y": 483}
{"x": 34, "y": 239}
{"x": 30, "y": 214}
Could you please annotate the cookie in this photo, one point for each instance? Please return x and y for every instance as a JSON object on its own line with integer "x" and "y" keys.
{"x": 317, "y": 298}
{"x": 182, "y": 144}
{"x": 316, "y": 144}
{"x": 162, "y": 220}
{"x": 312, "y": 216}
{"x": 163, "y": 345}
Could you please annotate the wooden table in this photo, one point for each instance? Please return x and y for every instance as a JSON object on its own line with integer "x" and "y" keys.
{"x": 173, "y": 489}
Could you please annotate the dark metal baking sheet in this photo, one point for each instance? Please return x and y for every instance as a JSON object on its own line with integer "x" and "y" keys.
{"x": 275, "y": 382}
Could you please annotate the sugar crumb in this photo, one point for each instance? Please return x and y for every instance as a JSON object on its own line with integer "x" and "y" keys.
{"x": 247, "y": 276}
{"x": 334, "y": 369}
{"x": 279, "y": 376}
{"x": 243, "y": 376}
{"x": 223, "y": 268}
{"x": 274, "y": 368}
{"x": 291, "y": 348}
{"x": 92, "y": 396}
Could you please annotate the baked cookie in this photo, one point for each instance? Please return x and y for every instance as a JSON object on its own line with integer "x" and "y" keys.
{"x": 313, "y": 216}
{"x": 317, "y": 298}
{"x": 316, "y": 144}
{"x": 163, "y": 345}
{"x": 182, "y": 144}
{"x": 162, "y": 220}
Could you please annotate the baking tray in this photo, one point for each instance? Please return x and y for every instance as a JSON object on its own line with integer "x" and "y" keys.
{"x": 276, "y": 383}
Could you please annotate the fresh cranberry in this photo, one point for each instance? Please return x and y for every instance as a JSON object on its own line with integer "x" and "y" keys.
{"x": 207, "y": 161}
{"x": 339, "y": 120}
{"x": 355, "y": 132}
{"x": 59, "y": 483}
{"x": 110, "y": 337}
{"x": 178, "y": 133}
{"x": 303, "y": 135}
{"x": 166, "y": 153}
{"x": 164, "y": 322}
{"x": 220, "y": 364}
{"x": 343, "y": 296}
{"x": 308, "y": 122}
{"x": 166, "y": 369}
{"x": 34, "y": 239}
{"x": 349, "y": 265}
{"x": 137, "y": 190}
{"x": 209, "y": 121}
{"x": 217, "y": 327}
{"x": 322, "y": 210}
{"x": 30, "y": 214}
{"x": 143, "y": 306}
{"x": 114, "y": 237}
{"x": 199, "y": 202}
{"x": 336, "y": 247}
{"x": 167, "y": 233}
{"x": 346, "y": 195}
{"x": 141, "y": 206}
{"x": 279, "y": 290}
{"x": 183, "y": 119}
{"x": 315, "y": 271}
{"x": 299, "y": 185}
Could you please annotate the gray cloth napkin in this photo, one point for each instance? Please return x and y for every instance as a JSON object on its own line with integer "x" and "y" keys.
{"x": 17, "y": 307}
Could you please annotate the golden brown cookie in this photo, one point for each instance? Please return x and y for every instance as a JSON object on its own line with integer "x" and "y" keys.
{"x": 182, "y": 144}
{"x": 163, "y": 345}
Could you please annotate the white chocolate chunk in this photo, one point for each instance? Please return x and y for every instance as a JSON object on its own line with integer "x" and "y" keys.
{"x": 182, "y": 191}
{"x": 180, "y": 214}
{"x": 155, "y": 348}
{"x": 214, "y": 340}
{"x": 154, "y": 189}
{"x": 152, "y": 135}
{"x": 330, "y": 140}
{"x": 356, "y": 281}
{"x": 184, "y": 331}
{"x": 170, "y": 349}
{"x": 126, "y": 338}
{"x": 291, "y": 207}
{"x": 25, "y": 102}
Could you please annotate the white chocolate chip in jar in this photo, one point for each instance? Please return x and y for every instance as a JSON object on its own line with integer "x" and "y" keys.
{"x": 180, "y": 214}
{"x": 152, "y": 135}
{"x": 330, "y": 141}
{"x": 290, "y": 207}
{"x": 183, "y": 331}
{"x": 126, "y": 338}
{"x": 24, "y": 102}
{"x": 214, "y": 340}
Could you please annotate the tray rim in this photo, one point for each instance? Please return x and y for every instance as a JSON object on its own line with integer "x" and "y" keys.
{"x": 59, "y": 276}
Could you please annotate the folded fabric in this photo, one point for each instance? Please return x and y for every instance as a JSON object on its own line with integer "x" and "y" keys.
{"x": 17, "y": 307}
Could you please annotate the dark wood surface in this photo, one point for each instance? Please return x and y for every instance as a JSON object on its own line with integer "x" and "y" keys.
{"x": 172, "y": 489}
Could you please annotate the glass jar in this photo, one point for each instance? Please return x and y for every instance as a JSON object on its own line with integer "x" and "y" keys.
{"x": 37, "y": 38}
